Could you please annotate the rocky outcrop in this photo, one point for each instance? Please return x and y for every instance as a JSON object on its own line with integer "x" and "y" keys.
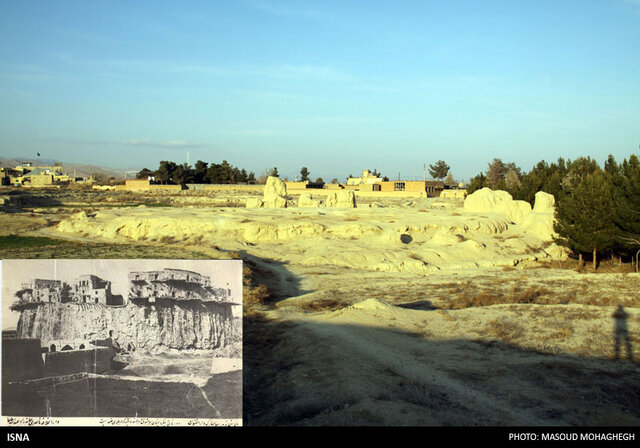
{"x": 537, "y": 221}
{"x": 344, "y": 198}
{"x": 487, "y": 200}
{"x": 306, "y": 200}
{"x": 540, "y": 222}
{"x": 254, "y": 203}
{"x": 544, "y": 203}
{"x": 275, "y": 195}
{"x": 157, "y": 327}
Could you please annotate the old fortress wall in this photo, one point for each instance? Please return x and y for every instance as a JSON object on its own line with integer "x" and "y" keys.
{"x": 165, "y": 309}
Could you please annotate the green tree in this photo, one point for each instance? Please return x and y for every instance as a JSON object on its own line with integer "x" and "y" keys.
{"x": 495, "y": 174}
{"x": 476, "y": 183}
{"x": 578, "y": 170}
{"x": 583, "y": 216}
{"x": 165, "y": 171}
{"x": 182, "y": 174}
{"x": 512, "y": 181}
{"x": 200, "y": 172}
{"x": 145, "y": 173}
{"x": 626, "y": 213}
{"x": 439, "y": 170}
{"x": 226, "y": 173}
{"x": 611, "y": 167}
{"x": 450, "y": 181}
{"x": 543, "y": 177}
{"x": 213, "y": 175}
{"x": 304, "y": 174}
{"x": 273, "y": 172}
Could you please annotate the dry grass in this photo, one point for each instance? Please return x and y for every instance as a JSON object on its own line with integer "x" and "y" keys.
{"x": 231, "y": 203}
{"x": 73, "y": 249}
{"x": 16, "y": 223}
{"x": 323, "y": 305}
{"x": 447, "y": 316}
{"x": 258, "y": 295}
{"x": 601, "y": 300}
{"x": 505, "y": 330}
{"x": 266, "y": 361}
{"x": 469, "y": 298}
{"x": 253, "y": 293}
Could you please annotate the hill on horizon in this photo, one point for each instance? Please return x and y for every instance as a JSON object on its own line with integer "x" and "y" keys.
{"x": 79, "y": 169}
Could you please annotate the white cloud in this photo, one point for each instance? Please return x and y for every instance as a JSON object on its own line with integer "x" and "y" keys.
{"x": 169, "y": 144}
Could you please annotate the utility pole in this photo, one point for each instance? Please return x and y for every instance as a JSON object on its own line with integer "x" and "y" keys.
{"x": 425, "y": 172}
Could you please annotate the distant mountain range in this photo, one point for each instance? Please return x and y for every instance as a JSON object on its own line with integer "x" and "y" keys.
{"x": 77, "y": 170}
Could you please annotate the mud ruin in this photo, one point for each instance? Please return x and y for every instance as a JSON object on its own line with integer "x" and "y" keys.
{"x": 81, "y": 325}
{"x": 175, "y": 284}
{"x": 85, "y": 289}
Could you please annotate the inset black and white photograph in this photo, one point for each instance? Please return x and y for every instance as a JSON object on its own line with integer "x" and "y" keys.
{"x": 121, "y": 342}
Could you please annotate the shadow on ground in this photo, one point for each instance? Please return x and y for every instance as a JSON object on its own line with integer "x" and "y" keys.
{"x": 274, "y": 274}
{"x": 324, "y": 374}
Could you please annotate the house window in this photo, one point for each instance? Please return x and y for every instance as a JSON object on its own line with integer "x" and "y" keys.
{"x": 398, "y": 186}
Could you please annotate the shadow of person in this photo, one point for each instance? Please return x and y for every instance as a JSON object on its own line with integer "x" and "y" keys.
{"x": 621, "y": 332}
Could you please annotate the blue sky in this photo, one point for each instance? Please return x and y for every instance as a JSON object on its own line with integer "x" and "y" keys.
{"x": 333, "y": 86}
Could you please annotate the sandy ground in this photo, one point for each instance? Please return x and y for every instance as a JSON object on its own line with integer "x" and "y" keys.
{"x": 411, "y": 312}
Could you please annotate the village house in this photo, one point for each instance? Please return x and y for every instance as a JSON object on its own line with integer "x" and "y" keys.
{"x": 85, "y": 289}
{"x": 366, "y": 178}
{"x": 42, "y": 290}
{"x": 92, "y": 289}
{"x": 175, "y": 284}
{"x": 431, "y": 187}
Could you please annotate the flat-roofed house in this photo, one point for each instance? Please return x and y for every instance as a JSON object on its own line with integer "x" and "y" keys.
{"x": 431, "y": 187}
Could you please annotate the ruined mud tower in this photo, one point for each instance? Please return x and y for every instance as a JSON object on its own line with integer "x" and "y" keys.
{"x": 165, "y": 309}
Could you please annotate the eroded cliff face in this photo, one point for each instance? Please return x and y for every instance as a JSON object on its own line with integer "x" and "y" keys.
{"x": 149, "y": 327}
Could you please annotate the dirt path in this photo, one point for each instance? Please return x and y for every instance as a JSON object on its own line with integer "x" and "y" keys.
{"x": 341, "y": 373}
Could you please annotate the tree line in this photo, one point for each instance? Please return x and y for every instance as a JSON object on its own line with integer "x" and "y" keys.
{"x": 597, "y": 208}
{"x": 202, "y": 173}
